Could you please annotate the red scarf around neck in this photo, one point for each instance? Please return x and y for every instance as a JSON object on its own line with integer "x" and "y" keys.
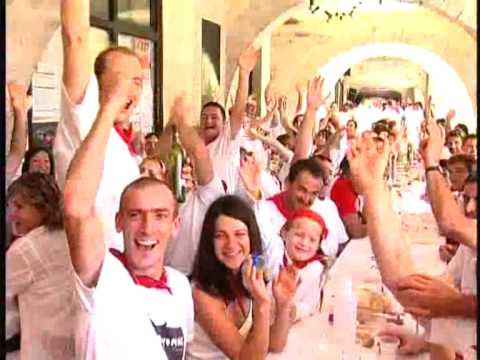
{"x": 127, "y": 136}
{"x": 280, "y": 202}
{"x": 143, "y": 280}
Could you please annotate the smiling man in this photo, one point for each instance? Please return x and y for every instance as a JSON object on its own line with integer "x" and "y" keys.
{"x": 132, "y": 306}
{"x": 83, "y": 88}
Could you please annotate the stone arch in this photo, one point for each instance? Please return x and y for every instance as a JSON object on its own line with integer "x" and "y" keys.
{"x": 454, "y": 95}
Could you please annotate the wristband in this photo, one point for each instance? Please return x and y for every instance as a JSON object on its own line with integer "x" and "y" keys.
{"x": 433, "y": 168}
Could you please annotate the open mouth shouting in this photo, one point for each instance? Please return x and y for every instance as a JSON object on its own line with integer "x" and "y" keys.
{"x": 146, "y": 243}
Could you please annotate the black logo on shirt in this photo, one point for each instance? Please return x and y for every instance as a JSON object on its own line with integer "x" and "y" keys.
{"x": 173, "y": 341}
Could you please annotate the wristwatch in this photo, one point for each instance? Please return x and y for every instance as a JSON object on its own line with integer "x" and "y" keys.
{"x": 433, "y": 168}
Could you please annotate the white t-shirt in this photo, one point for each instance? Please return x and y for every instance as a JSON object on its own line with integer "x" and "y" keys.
{"x": 120, "y": 167}
{"x": 307, "y": 295}
{"x": 122, "y": 320}
{"x": 182, "y": 248}
{"x": 462, "y": 268}
{"x": 225, "y": 155}
{"x": 39, "y": 283}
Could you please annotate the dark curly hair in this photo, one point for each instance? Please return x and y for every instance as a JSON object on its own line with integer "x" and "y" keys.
{"x": 34, "y": 151}
{"x": 209, "y": 273}
{"x": 41, "y": 191}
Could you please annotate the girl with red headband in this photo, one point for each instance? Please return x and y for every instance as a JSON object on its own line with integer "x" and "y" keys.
{"x": 302, "y": 235}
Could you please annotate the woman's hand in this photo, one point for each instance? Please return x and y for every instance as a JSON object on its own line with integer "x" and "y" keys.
{"x": 285, "y": 285}
{"x": 254, "y": 282}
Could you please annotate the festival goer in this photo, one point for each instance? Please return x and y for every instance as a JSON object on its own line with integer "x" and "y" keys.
{"x": 151, "y": 141}
{"x": 159, "y": 320}
{"x": 20, "y": 104}
{"x": 302, "y": 235}
{"x": 40, "y": 297}
{"x": 39, "y": 159}
{"x": 454, "y": 142}
{"x": 368, "y": 162}
{"x": 303, "y": 187}
{"x": 469, "y": 196}
{"x": 183, "y": 245}
{"x": 80, "y": 97}
{"x": 459, "y": 167}
{"x": 349, "y": 203}
{"x": 220, "y": 135}
{"x": 233, "y": 316}
{"x": 469, "y": 146}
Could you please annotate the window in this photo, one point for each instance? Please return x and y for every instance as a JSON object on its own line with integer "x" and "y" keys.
{"x": 135, "y": 24}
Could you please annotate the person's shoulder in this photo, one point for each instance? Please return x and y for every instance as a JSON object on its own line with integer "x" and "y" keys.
{"x": 177, "y": 279}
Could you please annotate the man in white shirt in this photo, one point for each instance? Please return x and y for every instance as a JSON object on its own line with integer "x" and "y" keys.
{"x": 304, "y": 184}
{"x": 81, "y": 93}
{"x": 132, "y": 306}
{"x": 222, "y": 136}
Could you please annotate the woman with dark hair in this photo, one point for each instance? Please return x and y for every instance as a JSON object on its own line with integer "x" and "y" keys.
{"x": 38, "y": 159}
{"x": 232, "y": 304}
{"x": 39, "y": 274}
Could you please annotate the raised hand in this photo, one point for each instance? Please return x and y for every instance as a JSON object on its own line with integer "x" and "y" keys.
{"x": 282, "y": 105}
{"x": 285, "y": 285}
{"x": 300, "y": 88}
{"x": 315, "y": 96}
{"x": 18, "y": 97}
{"x": 115, "y": 92}
{"x": 248, "y": 58}
{"x": 179, "y": 111}
{"x": 431, "y": 144}
{"x": 254, "y": 282}
{"x": 368, "y": 158}
{"x": 250, "y": 173}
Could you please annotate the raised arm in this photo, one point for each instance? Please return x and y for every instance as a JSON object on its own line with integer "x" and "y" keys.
{"x": 368, "y": 160}
{"x": 283, "y": 151}
{"x": 83, "y": 227}
{"x": 305, "y": 134}
{"x": 20, "y": 103}
{"x": 286, "y": 123}
{"x": 192, "y": 142}
{"x": 246, "y": 63}
{"x": 77, "y": 67}
{"x": 300, "y": 99}
{"x": 450, "y": 218}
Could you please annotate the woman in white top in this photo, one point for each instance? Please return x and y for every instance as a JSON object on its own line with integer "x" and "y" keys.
{"x": 39, "y": 276}
{"x": 232, "y": 305}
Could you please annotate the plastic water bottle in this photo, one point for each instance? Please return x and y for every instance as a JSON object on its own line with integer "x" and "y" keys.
{"x": 345, "y": 317}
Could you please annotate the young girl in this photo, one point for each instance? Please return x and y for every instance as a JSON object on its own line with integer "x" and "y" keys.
{"x": 232, "y": 305}
{"x": 302, "y": 234}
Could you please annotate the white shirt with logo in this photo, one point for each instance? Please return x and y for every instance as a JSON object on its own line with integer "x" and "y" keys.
{"x": 122, "y": 320}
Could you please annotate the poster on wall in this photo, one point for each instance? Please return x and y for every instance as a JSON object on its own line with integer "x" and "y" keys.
{"x": 142, "y": 117}
{"x": 45, "y": 93}
{"x": 210, "y": 62}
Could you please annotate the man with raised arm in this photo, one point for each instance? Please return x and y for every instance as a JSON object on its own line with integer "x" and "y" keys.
{"x": 133, "y": 307}
{"x": 420, "y": 294}
{"x": 183, "y": 245}
{"x": 83, "y": 87}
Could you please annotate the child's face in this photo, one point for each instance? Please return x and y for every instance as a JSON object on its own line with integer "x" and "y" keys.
{"x": 302, "y": 239}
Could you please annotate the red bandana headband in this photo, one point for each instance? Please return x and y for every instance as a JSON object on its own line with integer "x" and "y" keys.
{"x": 311, "y": 215}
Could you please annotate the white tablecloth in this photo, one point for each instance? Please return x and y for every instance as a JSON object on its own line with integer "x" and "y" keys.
{"x": 312, "y": 338}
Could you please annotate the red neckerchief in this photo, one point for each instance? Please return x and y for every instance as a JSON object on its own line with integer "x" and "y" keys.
{"x": 280, "y": 203}
{"x": 143, "y": 280}
{"x": 319, "y": 256}
{"x": 127, "y": 136}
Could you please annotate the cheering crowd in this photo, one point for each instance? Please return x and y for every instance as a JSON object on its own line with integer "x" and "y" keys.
{"x": 104, "y": 263}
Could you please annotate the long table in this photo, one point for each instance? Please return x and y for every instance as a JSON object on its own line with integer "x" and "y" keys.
{"x": 312, "y": 338}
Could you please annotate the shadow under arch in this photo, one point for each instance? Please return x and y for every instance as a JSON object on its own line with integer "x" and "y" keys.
{"x": 455, "y": 95}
